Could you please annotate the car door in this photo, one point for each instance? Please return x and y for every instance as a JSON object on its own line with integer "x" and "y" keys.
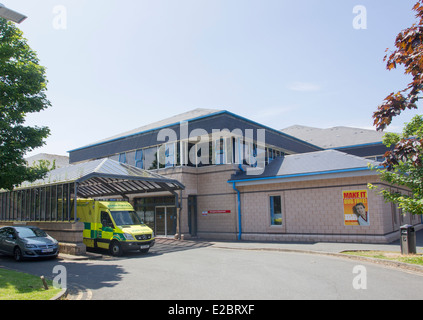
{"x": 2, "y": 236}
{"x": 9, "y": 241}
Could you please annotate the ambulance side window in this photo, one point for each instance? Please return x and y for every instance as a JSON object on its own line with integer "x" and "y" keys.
{"x": 105, "y": 220}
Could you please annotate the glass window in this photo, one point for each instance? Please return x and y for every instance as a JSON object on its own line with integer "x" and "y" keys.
{"x": 169, "y": 155}
{"x": 150, "y": 158}
{"x": 171, "y": 220}
{"x": 30, "y": 232}
{"x": 5, "y": 231}
{"x": 270, "y": 155}
{"x": 190, "y": 156}
{"x": 139, "y": 159}
{"x": 148, "y": 217}
{"x": 122, "y": 158}
{"x": 253, "y": 155}
{"x": 130, "y": 158}
{"x": 125, "y": 218}
{"x": 220, "y": 151}
{"x": 275, "y": 210}
{"x": 161, "y": 155}
{"x": 105, "y": 220}
{"x": 204, "y": 153}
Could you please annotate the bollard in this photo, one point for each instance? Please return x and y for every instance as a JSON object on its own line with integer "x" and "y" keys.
{"x": 408, "y": 240}
{"x": 44, "y": 282}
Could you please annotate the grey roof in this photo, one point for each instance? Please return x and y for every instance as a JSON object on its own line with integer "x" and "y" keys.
{"x": 310, "y": 164}
{"x": 196, "y": 113}
{"x": 335, "y": 137}
{"x": 105, "y": 177}
{"x": 205, "y": 120}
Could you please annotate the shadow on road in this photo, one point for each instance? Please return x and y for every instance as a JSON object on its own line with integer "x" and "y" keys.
{"x": 87, "y": 273}
{"x": 162, "y": 246}
{"x": 99, "y": 273}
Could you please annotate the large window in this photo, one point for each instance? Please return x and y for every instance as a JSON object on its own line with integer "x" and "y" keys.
{"x": 220, "y": 151}
{"x": 272, "y": 154}
{"x": 202, "y": 153}
{"x": 157, "y": 157}
{"x": 170, "y": 155}
{"x": 149, "y": 212}
{"x": 275, "y": 211}
{"x": 139, "y": 159}
{"x": 150, "y": 158}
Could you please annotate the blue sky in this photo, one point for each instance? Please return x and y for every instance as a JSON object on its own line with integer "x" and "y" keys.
{"x": 118, "y": 65}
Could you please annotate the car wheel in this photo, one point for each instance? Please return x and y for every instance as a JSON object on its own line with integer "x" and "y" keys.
{"x": 17, "y": 254}
{"x": 115, "y": 249}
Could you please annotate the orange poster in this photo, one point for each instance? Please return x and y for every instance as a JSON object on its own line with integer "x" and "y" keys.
{"x": 356, "y": 208}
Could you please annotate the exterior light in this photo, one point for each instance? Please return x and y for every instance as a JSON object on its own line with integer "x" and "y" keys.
{"x": 11, "y": 15}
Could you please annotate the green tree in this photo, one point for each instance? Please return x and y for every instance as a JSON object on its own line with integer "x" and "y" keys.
{"x": 404, "y": 162}
{"x": 22, "y": 91}
{"x": 405, "y": 173}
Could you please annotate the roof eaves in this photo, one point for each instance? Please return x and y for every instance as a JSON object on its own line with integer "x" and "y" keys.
{"x": 275, "y": 131}
{"x": 306, "y": 174}
{"x": 358, "y": 145}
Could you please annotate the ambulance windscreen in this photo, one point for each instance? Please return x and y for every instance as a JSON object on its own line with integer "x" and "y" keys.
{"x": 125, "y": 218}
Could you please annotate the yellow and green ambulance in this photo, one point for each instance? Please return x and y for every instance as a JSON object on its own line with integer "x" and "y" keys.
{"x": 113, "y": 225}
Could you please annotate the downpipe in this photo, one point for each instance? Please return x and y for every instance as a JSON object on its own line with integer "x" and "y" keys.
{"x": 239, "y": 211}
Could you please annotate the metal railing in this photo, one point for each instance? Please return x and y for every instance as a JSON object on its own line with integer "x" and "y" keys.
{"x": 42, "y": 203}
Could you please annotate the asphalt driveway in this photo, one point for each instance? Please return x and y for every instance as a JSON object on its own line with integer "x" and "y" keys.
{"x": 188, "y": 270}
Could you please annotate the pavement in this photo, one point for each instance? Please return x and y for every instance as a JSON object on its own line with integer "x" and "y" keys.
{"x": 310, "y": 247}
{"x": 320, "y": 247}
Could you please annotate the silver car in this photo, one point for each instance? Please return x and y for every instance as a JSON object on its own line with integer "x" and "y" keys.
{"x": 27, "y": 242}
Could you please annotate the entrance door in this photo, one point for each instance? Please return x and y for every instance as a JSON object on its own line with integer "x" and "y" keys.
{"x": 160, "y": 221}
{"x": 165, "y": 221}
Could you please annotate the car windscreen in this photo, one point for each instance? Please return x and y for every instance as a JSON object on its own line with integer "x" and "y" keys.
{"x": 125, "y": 218}
{"x": 30, "y": 232}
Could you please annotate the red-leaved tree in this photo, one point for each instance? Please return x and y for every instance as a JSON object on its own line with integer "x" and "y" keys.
{"x": 408, "y": 53}
{"x": 404, "y": 163}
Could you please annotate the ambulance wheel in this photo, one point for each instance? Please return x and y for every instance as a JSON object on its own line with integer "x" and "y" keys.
{"x": 115, "y": 249}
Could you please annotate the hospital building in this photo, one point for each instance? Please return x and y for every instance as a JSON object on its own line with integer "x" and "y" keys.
{"x": 246, "y": 181}
{"x": 213, "y": 174}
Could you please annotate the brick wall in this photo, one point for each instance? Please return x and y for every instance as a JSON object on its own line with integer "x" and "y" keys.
{"x": 313, "y": 211}
{"x": 213, "y": 193}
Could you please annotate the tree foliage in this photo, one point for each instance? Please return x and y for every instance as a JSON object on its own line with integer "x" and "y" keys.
{"x": 405, "y": 172}
{"x": 23, "y": 88}
{"x": 409, "y": 54}
{"x": 404, "y": 163}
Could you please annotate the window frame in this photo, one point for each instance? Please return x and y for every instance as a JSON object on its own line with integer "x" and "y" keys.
{"x": 270, "y": 212}
{"x": 139, "y": 158}
{"x": 122, "y": 157}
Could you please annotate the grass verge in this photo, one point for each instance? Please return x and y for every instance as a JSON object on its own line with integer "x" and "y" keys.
{"x": 388, "y": 255}
{"x": 21, "y": 286}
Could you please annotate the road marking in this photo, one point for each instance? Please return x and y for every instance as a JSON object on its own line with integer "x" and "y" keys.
{"x": 79, "y": 292}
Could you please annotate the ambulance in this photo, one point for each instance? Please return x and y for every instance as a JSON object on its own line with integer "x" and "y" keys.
{"x": 113, "y": 225}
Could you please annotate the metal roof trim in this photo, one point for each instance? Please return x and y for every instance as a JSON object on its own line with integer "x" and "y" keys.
{"x": 104, "y": 168}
